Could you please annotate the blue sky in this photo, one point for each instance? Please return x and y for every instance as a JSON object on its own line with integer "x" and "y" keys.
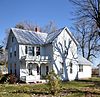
{"x": 38, "y": 12}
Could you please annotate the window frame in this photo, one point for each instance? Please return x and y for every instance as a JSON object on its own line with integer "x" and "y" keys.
{"x": 15, "y": 68}
{"x": 80, "y": 68}
{"x": 10, "y": 68}
{"x": 25, "y": 49}
{"x": 71, "y": 67}
{"x": 37, "y": 51}
{"x": 12, "y": 39}
{"x": 15, "y": 50}
{"x": 47, "y": 70}
{"x": 62, "y": 70}
{"x": 10, "y": 52}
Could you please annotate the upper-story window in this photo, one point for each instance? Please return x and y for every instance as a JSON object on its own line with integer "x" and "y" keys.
{"x": 15, "y": 50}
{"x": 31, "y": 51}
{"x": 10, "y": 52}
{"x": 12, "y": 39}
{"x": 37, "y": 51}
{"x": 25, "y": 49}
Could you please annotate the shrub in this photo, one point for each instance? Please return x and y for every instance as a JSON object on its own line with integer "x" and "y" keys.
{"x": 54, "y": 83}
{"x": 8, "y": 78}
{"x": 12, "y": 79}
{"x": 4, "y": 78}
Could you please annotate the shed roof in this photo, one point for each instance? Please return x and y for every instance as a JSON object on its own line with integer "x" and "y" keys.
{"x": 83, "y": 61}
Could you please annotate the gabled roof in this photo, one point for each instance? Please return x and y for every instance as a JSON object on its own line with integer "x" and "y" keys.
{"x": 51, "y": 36}
{"x": 29, "y": 37}
{"x": 37, "y": 38}
{"x": 83, "y": 61}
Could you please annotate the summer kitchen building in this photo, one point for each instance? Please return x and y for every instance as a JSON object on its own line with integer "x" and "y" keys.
{"x": 33, "y": 54}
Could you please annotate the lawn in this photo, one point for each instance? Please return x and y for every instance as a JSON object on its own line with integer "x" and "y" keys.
{"x": 81, "y": 88}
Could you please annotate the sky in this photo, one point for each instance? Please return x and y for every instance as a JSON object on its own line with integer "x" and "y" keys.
{"x": 38, "y": 12}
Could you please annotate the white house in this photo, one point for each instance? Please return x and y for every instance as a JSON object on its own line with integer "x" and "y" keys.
{"x": 33, "y": 54}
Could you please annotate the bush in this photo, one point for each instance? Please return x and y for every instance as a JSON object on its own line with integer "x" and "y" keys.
{"x": 54, "y": 83}
{"x": 12, "y": 79}
{"x": 4, "y": 78}
{"x": 8, "y": 78}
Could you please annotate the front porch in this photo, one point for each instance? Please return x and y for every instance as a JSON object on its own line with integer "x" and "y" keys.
{"x": 34, "y": 70}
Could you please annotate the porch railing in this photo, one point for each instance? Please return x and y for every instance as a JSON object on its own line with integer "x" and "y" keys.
{"x": 35, "y": 58}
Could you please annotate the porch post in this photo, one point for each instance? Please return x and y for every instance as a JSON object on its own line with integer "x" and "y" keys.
{"x": 26, "y": 64}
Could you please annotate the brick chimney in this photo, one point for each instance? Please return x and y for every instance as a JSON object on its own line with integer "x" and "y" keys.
{"x": 37, "y": 29}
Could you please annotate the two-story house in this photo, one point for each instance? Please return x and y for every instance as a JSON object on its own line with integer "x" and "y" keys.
{"x": 33, "y": 54}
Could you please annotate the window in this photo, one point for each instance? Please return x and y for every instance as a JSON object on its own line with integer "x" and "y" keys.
{"x": 10, "y": 52}
{"x": 61, "y": 70}
{"x": 47, "y": 70}
{"x": 31, "y": 51}
{"x": 25, "y": 49}
{"x": 71, "y": 66}
{"x": 10, "y": 71}
{"x": 15, "y": 68}
{"x": 14, "y": 53}
{"x": 12, "y": 39}
{"x": 37, "y": 51}
{"x": 80, "y": 68}
{"x": 10, "y": 68}
{"x": 38, "y": 70}
{"x": 15, "y": 50}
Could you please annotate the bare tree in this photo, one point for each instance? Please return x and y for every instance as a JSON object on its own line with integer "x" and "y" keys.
{"x": 25, "y": 25}
{"x": 1, "y": 49}
{"x": 89, "y": 42}
{"x": 50, "y": 27}
{"x": 88, "y": 10}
